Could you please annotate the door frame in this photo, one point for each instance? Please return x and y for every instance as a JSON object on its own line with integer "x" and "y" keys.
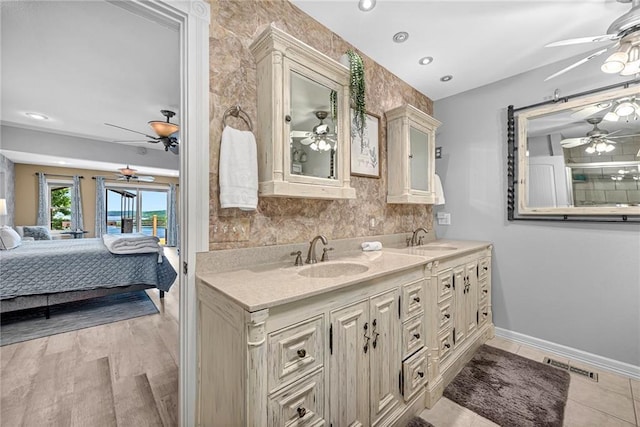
{"x": 191, "y": 19}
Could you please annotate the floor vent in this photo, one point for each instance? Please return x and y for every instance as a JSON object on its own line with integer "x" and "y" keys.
{"x": 560, "y": 365}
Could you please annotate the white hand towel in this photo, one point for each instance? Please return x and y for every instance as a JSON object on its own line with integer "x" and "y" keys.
{"x": 371, "y": 246}
{"x": 238, "y": 170}
{"x": 439, "y": 191}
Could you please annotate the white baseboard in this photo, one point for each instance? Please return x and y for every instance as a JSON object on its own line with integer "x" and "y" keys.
{"x": 612, "y": 365}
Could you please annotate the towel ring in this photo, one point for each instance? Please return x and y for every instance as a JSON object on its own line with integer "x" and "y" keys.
{"x": 236, "y": 111}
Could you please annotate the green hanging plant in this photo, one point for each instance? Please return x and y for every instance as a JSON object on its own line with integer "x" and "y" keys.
{"x": 357, "y": 91}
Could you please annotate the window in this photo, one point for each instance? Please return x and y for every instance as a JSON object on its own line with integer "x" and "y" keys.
{"x": 59, "y": 205}
{"x": 137, "y": 210}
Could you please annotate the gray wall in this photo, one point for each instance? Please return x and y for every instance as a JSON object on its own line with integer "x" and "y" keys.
{"x": 572, "y": 284}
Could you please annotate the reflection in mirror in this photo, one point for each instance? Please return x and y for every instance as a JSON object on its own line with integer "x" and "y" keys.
{"x": 313, "y": 129}
{"x": 581, "y": 157}
{"x": 419, "y": 165}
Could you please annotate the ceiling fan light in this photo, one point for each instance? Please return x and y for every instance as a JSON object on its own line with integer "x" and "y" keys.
{"x": 611, "y": 117}
{"x": 128, "y": 171}
{"x": 609, "y": 148}
{"x": 612, "y": 67}
{"x": 625, "y": 109}
{"x": 163, "y": 129}
{"x": 590, "y": 149}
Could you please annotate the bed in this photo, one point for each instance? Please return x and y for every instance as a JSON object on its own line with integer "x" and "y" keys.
{"x": 48, "y": 272}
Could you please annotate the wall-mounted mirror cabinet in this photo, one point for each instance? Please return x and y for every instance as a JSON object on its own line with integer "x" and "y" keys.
{"x": 303, "y": 120}
{"x": 577, "y": 158}
{"x": 411, "y": 155}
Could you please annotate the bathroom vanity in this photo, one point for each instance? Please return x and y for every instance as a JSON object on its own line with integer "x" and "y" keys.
{"x": 367, "y": 338}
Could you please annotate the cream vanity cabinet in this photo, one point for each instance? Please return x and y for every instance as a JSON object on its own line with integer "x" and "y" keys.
{"x": 460, "y": 311}
{"x": 334, "y": 359}
{"x": 303, "y": 131}
{"x": 411, "y": 155}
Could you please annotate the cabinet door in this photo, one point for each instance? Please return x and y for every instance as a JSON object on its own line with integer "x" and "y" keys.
{"x": 385, "y": 354}
{"x": 419, "y": 159}
{"x": 459, "y": 324}
{"x": 349, "y": 366}
{"x": 471, "y": 297}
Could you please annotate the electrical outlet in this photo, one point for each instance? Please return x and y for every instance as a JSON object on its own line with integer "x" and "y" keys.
{"x": 372, "y": 223}
{"x": 444, "y": 218}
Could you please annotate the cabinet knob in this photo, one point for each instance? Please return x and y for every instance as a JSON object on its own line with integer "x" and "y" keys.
{"x": 447, "y": 316}
{"x": 485, "y": 291}
{"x": 485, "y": 268}
{"x": 302, "y": 353}
{"x": 447, "y": 345}
{"x": 417, "y": 299}
{"x": 416, "y": 336}
{"x": 287, "y": 118}
{"x": 484, "y": 313}
{"x": 301, "y": 411}
{"x": 411, "y": 156}
{"x": 448, "y": 285}
{"x": 421, "y": 374}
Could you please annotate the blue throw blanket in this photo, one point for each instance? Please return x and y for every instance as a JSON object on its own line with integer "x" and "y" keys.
{"x": 49, "y": 266}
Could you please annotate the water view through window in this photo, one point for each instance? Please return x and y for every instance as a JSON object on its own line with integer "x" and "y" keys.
{"x": 131, "y": 210}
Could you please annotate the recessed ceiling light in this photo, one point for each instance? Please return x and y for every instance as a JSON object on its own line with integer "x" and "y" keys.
{"x": 446, "y": 78}
{"x": 400, "y": 37}
{"x": 37, "y": 116}
{"x": 426, "y": 60}
{"x": 366, "y": 5}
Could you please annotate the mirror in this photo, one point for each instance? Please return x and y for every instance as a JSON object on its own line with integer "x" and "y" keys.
{"x": 418, "y": 158}
{"x": 313, "y": 133}
{"x": 579, "y": 158}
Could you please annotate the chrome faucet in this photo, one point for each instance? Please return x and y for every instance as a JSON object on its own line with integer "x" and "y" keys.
{"x": 415, "y": 240}
{"x": 311, "y": 255}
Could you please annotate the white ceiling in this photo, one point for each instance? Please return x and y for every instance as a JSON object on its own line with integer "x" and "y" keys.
{"x": 477, "y": 42}
{"x": 86, "y": 63}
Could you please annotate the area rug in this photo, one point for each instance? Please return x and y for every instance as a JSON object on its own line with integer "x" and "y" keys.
{"x": 510, "y": 390}
{"x": 30, "y": 324}
{"x": 418, "y": 422}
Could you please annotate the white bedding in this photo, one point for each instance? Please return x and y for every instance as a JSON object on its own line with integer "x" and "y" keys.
{"x": 134, "y": 243}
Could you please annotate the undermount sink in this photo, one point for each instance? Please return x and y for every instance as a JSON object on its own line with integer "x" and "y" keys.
{"x": 333, "y": 269}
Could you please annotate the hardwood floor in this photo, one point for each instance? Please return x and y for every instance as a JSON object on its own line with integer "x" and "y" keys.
{"x": 119, "y": 374}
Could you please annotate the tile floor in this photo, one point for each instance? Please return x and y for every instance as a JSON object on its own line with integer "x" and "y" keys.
{"x": 613, "y": 401}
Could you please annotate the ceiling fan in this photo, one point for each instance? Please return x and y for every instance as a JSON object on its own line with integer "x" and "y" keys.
{"x": 129, "y": 174}
{"x": 320, "y": 138}
{"x": 625, "y": 31}
{"x": 167, "y": 132}
{"x": 600, "y": 140}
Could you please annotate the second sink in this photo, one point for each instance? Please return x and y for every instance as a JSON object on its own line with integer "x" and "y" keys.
{"x": 333, "y": 269}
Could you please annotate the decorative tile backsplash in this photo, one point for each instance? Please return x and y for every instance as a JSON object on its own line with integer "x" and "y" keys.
{"x": 233, "y": 81}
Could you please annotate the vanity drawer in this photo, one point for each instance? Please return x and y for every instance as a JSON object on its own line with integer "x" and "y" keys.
{"x": 483, "y": 314}
{"x": 445, "y": 344}
{"x": 483, "y": 291}
{"x": 445, "y": 314}
{"x": 414, "y": 374}
{"x": 294, "y": 351}
{"x": 412, "y": 299}
{"x": 412, "y": 336}
{"x": 484, "y": 264}
{"x": 301, "y": 404}
{"x": 445, "y": 284}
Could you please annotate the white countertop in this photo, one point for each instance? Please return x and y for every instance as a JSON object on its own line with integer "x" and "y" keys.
{"x": 268, "y": 285}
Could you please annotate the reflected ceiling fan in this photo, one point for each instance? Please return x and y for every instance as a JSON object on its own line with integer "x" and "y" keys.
{"x": 625, "y": 32}
{"x": 167, "y": 133}
{"x": 320, "y": 138}
{"x": 599, "y": 140}
{"x": 128, "y": 174}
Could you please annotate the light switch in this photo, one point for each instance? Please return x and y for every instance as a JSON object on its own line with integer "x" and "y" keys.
{"x": 444, "y": 218}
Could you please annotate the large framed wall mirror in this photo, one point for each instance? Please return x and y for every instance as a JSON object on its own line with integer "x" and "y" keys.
{"x": 577, "y": 158}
